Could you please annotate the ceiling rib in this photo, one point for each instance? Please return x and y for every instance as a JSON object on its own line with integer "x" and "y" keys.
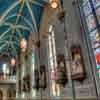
{"x": 34, "y": 2}
{"x": 10, "y": 8}
{"x": 14, "y": 29}
{"x": 32, "y": 15}
{"x": 20, "y": 10}
{"x": 3, "y": 34}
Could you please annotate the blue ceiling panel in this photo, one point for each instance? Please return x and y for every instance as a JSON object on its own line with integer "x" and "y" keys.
{"x": 4, "y": 4}
{"x": 18, "y": 18}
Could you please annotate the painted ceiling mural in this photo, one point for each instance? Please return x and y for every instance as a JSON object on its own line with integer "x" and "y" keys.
{"x": 18, "y": 18}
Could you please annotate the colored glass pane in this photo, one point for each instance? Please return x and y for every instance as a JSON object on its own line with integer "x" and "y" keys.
{"x": 96, "y": 3}
{"x": 87, "y": 9}
{"x": 91, "y": 23}
{"x": 97, "y": 57}
{"x": 98, "y": 14}
{"x": 83, "y": 2}
{"x": 95, "y": 39}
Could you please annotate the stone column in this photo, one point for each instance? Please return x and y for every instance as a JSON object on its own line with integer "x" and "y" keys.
{"x": 23, "y": 73}
{"x": 34, "y": 63}
{"x": 17, "y": 78}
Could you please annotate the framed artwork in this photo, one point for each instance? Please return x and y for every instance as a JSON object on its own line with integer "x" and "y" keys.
{"x": 77, "y": 67}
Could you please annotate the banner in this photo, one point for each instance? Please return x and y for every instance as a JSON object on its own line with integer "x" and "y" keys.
{"x": 77, "y": 68}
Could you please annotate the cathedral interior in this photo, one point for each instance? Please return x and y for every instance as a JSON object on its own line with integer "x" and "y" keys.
{"x": 49, "y": 49}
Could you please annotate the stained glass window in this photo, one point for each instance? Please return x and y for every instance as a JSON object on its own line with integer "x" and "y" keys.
{"x": 97, "y": 57}
{"x": 91, "y": 23}
{"x": 98, "y": 14}
{"x": 87, "y": 9}
{"x": 96, "y": 3}
{"x": 83, "y": 2}
{"x": 95, "y": 39}
{"x": 90, "y": 8}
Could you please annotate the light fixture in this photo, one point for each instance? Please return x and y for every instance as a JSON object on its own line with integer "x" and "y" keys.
{"x": 23, "y": 44}
{"x": 34, "y": 45}
{"x": 19, "y": 14}
{"x": 53, "y": 3}
{"x": 13, "y": 62}
{"x": 14, "y": 26}
{"x": 4, "y": 66}
{"x": 7, "y": 71}
{"x": 1, "y": 21}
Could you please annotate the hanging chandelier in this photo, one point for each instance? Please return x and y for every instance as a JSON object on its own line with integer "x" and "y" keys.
{"x": 13, "y": 62}
{"x": 54, "y": 3}
{"x": 23, "y": 44}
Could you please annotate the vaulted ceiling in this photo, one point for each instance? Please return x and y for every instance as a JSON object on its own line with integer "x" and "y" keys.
{"x": 18, "y": 18}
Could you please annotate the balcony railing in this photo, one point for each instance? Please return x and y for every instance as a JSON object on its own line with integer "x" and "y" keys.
{"x": 8, "y": 80}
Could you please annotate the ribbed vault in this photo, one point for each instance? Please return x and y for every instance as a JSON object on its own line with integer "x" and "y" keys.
{"x": 18, "y": 18}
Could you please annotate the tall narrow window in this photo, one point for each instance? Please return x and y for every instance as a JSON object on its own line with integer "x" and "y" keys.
{"x": 52, "y": 62}
{"x": 52, "y": 48}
